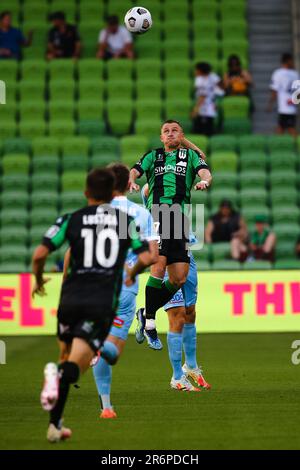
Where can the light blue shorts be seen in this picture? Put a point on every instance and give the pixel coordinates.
(125, 315)
(187, 295)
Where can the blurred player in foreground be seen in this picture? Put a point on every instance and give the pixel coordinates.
(181, 311)
(171, 172)
(119, 331)
(89, 295)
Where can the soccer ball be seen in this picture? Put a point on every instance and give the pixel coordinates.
(138, 20)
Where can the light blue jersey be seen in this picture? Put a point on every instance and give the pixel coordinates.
(145, 226)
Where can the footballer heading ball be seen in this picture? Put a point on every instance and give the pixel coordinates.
(138, 20)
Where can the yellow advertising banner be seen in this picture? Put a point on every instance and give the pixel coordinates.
(255, 301)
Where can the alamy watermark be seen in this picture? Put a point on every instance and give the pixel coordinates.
(2, 353)
(2, 92)
(295, 90)
(296, 354)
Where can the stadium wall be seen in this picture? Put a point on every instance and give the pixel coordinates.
(227, 302)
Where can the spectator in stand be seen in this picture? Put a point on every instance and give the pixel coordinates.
(227, 225)
(298, 248)
(207, 86)
(283, 86)
(114, 41)
(63, 38)
(11, 39)
(236, 81)
(263, 240)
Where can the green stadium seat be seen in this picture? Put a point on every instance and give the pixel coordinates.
(287, 232)
(151, 50)
(100, 160)
(280, 179)
(16, 145)
(69, 7)
(200, 140)
(49, 146)
(8, 113)
(62, 90)
(12, 198)
(223, 143)
(226, 265)
(114, 6)
(31, 91)
(237, 126)
(225, 179)
(288, 214)
(71, 201)
(107, 145)
(236, 107)
(15, 164)
(253, 178)
(75, 146)
(224, 161)
(251, 143)
(92, 89)
(148, 69)
(235, 29)
(90, 110)
(9, 70)
(178, 89)
(208, 30)
(120, 116)
(178, 110)
(73, 181)
(33, 70)
(8, 129)
(148, 90)
(118, 91)
(179, 29)
(33, 127)
(90, 68)
(41, 217)
(148, 128)
(280, 196)
(133, 148)
(60, 110)
(61, 128)
(90, 33)
(220, 251)
(14, 254)
(253, 160)
(39, 40)
(253, 197)
(42, 198)
(203, 265)
(35, 11)
(182, 49)
(32, 110)
(13, 217)
(89, 10)
(176, 70)
(40, 181)
(42, 164)
(249, 213)
(279, 158)
(287, 264)
(205, 9)
(218, 194)
(257, 265)
(13, 6)
(91, 127)
(75, 163)
(119, 68)
(207, 48)
(281, 142)
(237, 46)
(9, 235)
(149, 109)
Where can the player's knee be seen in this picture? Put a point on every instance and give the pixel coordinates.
(190, 314)
(70, 372)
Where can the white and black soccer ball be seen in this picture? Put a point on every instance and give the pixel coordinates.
(138, 20)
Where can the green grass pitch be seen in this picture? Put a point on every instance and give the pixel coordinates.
(254, 402)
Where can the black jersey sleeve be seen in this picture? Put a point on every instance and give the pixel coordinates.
(55, 236)
(144, 163)
(198, 162)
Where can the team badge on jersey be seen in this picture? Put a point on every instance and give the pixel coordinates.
(182, 154)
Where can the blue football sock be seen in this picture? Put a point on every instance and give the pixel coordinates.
(110, 352)
(189, 338)
(103, 376)
(175, 353)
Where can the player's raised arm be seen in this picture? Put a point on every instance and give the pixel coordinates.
(206, 179)
(139, 169)
(188, 144)
(134, 175)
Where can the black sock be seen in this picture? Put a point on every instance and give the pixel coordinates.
(158, 293)
(69, 374)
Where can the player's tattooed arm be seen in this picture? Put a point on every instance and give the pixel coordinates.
(134, 175)
(188, 144)
(38, 262)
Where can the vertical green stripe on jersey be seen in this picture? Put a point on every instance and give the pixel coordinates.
(59, 239)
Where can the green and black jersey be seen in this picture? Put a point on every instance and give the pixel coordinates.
(99, 238)
(170, 175)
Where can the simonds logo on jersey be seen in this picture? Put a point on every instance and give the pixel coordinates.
(178, 169)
